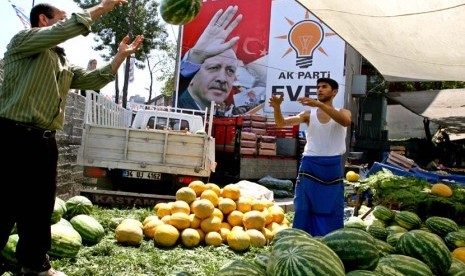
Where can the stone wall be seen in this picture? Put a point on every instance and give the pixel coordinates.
(70, 178)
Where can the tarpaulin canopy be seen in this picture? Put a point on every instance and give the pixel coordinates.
(444, 107)
(412, 40)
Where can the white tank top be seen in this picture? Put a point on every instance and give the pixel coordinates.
(327, 139)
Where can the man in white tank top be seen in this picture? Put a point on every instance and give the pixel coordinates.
(319, 192)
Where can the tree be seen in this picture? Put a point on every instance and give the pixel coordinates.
(138, 17)
(163, 62)
(167, 73)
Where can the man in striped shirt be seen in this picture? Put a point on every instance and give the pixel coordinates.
(37, 79)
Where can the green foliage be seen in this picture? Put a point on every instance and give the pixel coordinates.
(110, 258)
(413, 194)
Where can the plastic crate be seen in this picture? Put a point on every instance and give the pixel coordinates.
(282, 132)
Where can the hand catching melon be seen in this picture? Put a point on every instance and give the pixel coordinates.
(179, 12)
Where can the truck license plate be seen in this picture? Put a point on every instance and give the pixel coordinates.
(141, 175)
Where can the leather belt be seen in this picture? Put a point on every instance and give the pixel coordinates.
(41, 132)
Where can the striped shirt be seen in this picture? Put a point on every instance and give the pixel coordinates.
(38, 77)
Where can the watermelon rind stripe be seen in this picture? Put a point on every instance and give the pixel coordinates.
(428, 248)
(406, 265)
(344, 241)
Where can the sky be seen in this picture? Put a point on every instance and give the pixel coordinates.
(79, 49)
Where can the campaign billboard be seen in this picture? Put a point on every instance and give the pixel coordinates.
(281, 49)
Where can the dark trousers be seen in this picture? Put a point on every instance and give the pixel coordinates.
(29, 198)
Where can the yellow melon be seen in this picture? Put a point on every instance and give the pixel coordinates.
(279, 228)
(186, 194)
(166, 219)
(244, 204)
(459, 254)
(257, 239)
(149, 227)
(203, 208)
(217, 213)
(163, 209)
(213, 238)
(268, 216)
(195, 221)
(277, 213)
(235, 218)
(224, 232)
(149, 218)
(180, 206)
(238, 240)
(198, 186)
(441, 190)
(166, 235)
(129, 233)
(132, 221)
(267, 233)
(259, 204)
(352, 176)
(226, 205)
(180, 220)
(210, 224)
(253, 220)
(210, 195)
(231, 191)
(190, 237)
(201, 234)
(226, 225)
(213, 187)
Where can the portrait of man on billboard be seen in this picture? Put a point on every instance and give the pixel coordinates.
(223, 57)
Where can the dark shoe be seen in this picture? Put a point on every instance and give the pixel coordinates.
(50, 272)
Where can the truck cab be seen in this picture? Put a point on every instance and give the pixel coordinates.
(166, 120)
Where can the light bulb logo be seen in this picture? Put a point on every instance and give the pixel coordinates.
(304, 37)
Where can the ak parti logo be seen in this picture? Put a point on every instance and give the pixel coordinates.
(304, 38)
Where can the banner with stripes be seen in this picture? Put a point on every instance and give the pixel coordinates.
(21, 15)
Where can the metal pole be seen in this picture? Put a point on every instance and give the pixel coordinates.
(32, 3)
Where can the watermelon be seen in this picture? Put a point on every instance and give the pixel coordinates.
(66, 242)
(392, 239)
(386, 270)
(455, 239)
(295, 256)
(290, 232)
(179, 12)
(64, 222)
(395, 229)
(457, 268)
(355, 222)
(383, 213)
(441, 226)
(9, 251)
(428, 248)
(262, 259)
(384, 248)
(59, 209)
(78, 205)
(408, 220)
(89, 228)
(240, 268)
(356, 248)
(362, 273)
(378, 232)
(406, 265)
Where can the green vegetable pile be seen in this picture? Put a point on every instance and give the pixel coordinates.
(413, 194)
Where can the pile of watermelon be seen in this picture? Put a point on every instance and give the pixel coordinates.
(394, 244)
(72, 226)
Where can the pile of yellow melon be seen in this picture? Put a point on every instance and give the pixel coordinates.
(204, 213)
